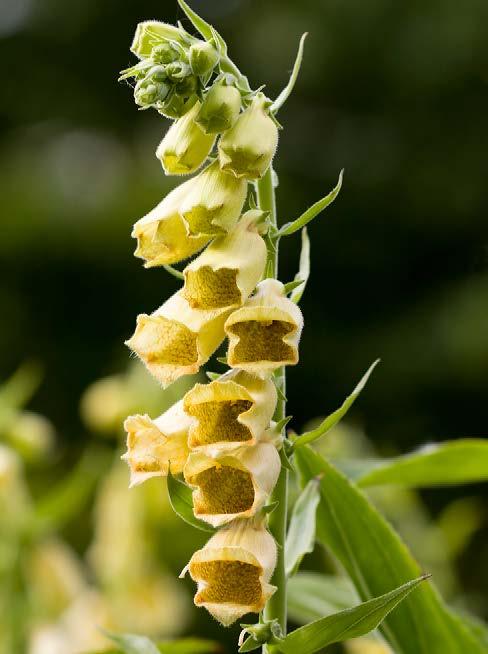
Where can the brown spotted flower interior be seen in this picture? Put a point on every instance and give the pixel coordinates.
(206, 288)
(199, 218)
(232, 582)
(217, 422)
(261, 340)
(172, 343)
(223, 490)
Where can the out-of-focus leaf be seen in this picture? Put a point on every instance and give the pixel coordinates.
(180, 646)
(285, 93)
(300, 538)
(332, 420)
(454, 462)
(304, 268)
(375, 558)
(133, 644)
(16, 392)
(312, 596)
(180, 497)
(350, 623)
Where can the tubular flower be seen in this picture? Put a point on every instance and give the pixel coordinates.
(162, 235)
(154, 445)
(233, 571)
(233, 411)
(219, 109)
(176, 340)
(185, 145)
(226, 273)
(264, 333)
(233, 485)
(246, 150)
(152, 33)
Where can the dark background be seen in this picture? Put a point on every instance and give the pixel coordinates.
(395, 93)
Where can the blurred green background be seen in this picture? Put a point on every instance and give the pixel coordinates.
(395, 93)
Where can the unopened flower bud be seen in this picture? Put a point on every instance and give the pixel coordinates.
(164, 53)
(220, 109)
(265, 332)
(213, 201)
(31, 434)
(175, 106)
(227, 271)
(247, 148)
(233, 571)
(232, 485)
(177, 70)
(185, 146)
(157, 74)
(187, 87)
(146, 93)
(152, 33)
(230, 412)
(155, 445)
(162, 235)
(176, 340)
(203, 58)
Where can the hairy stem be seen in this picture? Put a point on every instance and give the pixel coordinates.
(276, 606)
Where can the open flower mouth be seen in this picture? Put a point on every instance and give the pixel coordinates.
(222, 490)
(161, 341)
(261, 340)
(228, 582)
(217, 422)
(206, 288)
(242, 162)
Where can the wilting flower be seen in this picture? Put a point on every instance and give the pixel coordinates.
(230, 412)
(220, 109)
(154, 445)
(233, 571)
(203, 58)
(152, 33)
(226, 272)
(176, 340)
(185, 145)
(246, 150)
(232, 485)
(264, 333)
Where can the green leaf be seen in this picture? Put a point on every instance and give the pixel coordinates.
(332, 420)
(453, 462)
(304, 268)
(206, 30)
(285, 94)
(350, 623)
(300, 538)
(180, 646)
(133, 644)
(180, 497)
(173, 271)
(375, 558)
(312, 595)
(313, 211)
(291, 286)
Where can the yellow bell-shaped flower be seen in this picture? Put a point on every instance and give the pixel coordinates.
(265, 332)
(232, 485)
(220, 109)
(230, 412)
(233, 571)
(227, 271)
(185, 145)
(154, 445)
(247, 149)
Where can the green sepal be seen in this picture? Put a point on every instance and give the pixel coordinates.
(173, 271)
(285, 93)
(291, 286)
(285, 461)
(213, 375)
(262, 633)
(300, 538)
(313, 211)
(205, 29)
(304, 268)
(180, 497)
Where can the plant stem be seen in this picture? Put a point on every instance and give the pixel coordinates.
(276, 606)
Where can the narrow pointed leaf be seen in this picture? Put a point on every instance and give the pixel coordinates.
(313, 211)
(189, 646)
(300, 538)
(291, 286)
(205, 29)
(350, 623)
(180, 497)
(172, 271)
(375, 558)
(332, 420)
(312, 595)
(133, 644)
(284, 95)
(455, 462)
(304, 268)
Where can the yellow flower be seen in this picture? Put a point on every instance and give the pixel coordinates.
(154, 445)
(185, 145)
(246, 150)
(220, 109)
(227, 271)
(265, 332)
(162, 235)
(232, 485)
(232, 411)
(212, 201)
(176, 340)
(233, 571)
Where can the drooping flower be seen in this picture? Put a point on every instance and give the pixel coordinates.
(232, 485)
(265, 332)
(227, 271)
(233, 571)
(220, 108)
(176, 340)
(203, 58)
(247, 148)
(230, 412)
(154, 445)
(185, 145)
